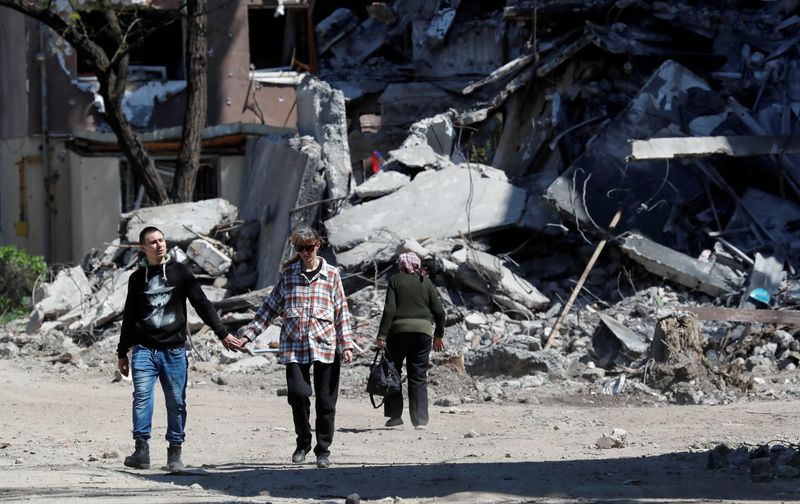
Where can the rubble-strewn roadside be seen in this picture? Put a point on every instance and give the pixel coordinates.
(609, 211)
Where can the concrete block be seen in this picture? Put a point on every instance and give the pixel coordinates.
(710, 278)
(208, 257)
(200, 217)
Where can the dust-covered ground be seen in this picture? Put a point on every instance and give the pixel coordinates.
(64, 432)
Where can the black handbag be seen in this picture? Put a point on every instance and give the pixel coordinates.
(383, 380)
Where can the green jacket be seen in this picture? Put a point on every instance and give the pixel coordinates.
(411, 302)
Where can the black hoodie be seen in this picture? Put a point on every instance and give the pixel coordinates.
(155, 309)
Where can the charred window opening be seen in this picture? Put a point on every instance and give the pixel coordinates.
(277, 41)
(132, 188)
(156, 43)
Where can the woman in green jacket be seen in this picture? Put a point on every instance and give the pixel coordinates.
(406, 330)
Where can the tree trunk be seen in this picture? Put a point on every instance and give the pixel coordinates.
(196, 103)
(112, 88)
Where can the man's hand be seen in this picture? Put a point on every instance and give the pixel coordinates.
(347, 356)
(123, 366)
(380, 343)
(438, 344)
(234, 344)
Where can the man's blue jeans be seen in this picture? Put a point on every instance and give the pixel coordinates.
(169, 366)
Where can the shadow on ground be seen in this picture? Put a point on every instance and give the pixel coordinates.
(677, 476)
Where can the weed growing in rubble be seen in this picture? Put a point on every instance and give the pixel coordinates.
(18, 274)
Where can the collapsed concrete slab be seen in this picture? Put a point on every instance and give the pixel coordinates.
(294, 166)
(180, 222)
(376, 251)
(382, 183)
(710, 278)
(479, 199)
(69, 289)
(669, 148)
(486, 273)
(321, 114)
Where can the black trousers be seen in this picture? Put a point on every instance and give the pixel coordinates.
(414, 348)
(326, 391)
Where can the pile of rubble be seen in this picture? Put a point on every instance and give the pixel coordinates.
(603, 196)
(764, 463)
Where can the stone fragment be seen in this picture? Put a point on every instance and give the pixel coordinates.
(382, 183)
(208, 257)
(69, 289)
(617, 438)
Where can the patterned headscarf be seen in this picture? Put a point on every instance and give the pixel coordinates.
(410, 263)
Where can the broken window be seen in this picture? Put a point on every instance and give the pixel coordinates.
(132, 190)
(157, 43)
(278, 41)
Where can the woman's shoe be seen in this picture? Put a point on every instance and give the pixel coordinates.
(299, 455)
(421, 427)
(394, 422)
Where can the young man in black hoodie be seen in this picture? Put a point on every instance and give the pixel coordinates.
(154, 325)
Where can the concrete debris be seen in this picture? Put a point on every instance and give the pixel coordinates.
(416, 156)
(105, 305)
(382, 183)
(334, 27)
(429, 144)
(486, 273)
(617, 438)
(669, 148)
(321, 115)
(613, 342)
(485, 114)
(68, 290)
(764, 463)
(209, 258)
(361, 42)
(296, 166)
(480, 200)
(709, 277)
(180, 222)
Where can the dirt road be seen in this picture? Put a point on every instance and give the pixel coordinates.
(64, 436)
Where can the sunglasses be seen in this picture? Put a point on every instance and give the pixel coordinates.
(305, 248)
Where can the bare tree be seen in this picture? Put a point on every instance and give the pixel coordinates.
(108, 60)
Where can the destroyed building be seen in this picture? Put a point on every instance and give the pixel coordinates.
(646, 149)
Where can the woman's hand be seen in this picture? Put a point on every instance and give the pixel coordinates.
(347, 356)
(380, 343)
(438, 344)
(234, 344)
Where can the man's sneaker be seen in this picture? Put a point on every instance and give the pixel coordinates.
(421, 427)
(174, 462)
(140, 458)
(323, 462)
(299, 455)
(394, 422)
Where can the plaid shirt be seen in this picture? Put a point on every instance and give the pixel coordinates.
(316, 320)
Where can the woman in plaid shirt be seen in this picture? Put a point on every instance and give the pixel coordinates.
(316, 332)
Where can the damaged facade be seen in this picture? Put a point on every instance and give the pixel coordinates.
(499, 141)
